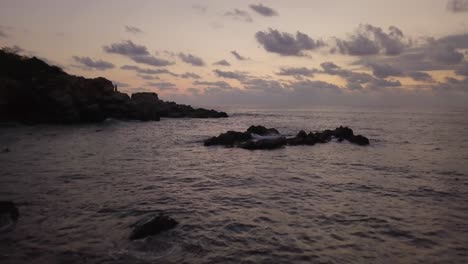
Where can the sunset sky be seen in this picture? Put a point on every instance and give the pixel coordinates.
(265, 53)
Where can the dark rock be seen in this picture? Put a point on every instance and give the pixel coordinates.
(262, 131)
(268, 139)
(9, 208)
(153, 227)
(343, 132)
(31, 91)
(229, 138)
(360, 140)
(271, 143)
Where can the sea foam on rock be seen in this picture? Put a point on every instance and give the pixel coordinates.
(270, 138)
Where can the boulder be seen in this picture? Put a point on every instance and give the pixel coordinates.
(229, 138)
(270, 143)
(260, 137)
(359, 140)
(262, 131)
(153, 227)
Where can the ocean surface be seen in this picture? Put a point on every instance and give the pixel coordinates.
(81, 188)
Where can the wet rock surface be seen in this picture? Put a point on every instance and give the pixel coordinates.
(153, 227)
(260, 137)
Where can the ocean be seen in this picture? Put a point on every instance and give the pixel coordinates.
(80, 190)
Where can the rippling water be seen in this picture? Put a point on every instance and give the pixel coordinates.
(404, 199)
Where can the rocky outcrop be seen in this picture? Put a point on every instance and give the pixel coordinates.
(153, 227)
(259, 137)
(31, 91)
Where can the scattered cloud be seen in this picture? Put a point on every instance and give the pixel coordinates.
(147, 71)
(297, 73)
(121, 84)
(384, 70)
(163, 86)
(217, 84)
(93, 64)
(3, 34)
(222, 63)
(148, 77)
(127, 48)
(239, 15)
(238, 56)
(462, 70)
(231, 75)
(200, 8)
(371, 40)
(151, 60)
(264, 10)
(190, 75)
(191, 59)
(137, 53)
(421, 76)
(133, 29)
(287, 44)
(457, 6)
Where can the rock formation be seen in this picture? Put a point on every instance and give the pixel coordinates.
(31, 91)
(259, 137)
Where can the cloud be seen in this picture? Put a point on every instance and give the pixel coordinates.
(371, 40)
(222, 63)
(148, 77)
(121, 84)
(231, 75)
(94, 64)
(163, 86)
(259, 84)
(384, 70)
(287, 44)
(200, 8)
(457, 6)
(3, 34)
(127, 48)
(421, 76)
(359, 80)
(137, 53)
(462, 70)
(446, 54)
(238, 56)
(147, 71)
(264, 10)
(193, 91)
(191, 59)
(298, 73)
(151, 60)
(190, 75)
(133, 30)
(427, 55)
(219, 84)
(239, 15)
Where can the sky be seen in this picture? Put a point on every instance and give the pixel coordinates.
(296, 53)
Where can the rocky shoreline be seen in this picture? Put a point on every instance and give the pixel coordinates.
(31, 91)
(260, 137)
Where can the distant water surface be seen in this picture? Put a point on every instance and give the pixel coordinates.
(404, 199)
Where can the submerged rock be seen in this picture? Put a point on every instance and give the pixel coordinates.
(153, 227)
(9, 215)
(260, 137)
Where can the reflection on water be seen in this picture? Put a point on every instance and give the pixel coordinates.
(404, 199)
